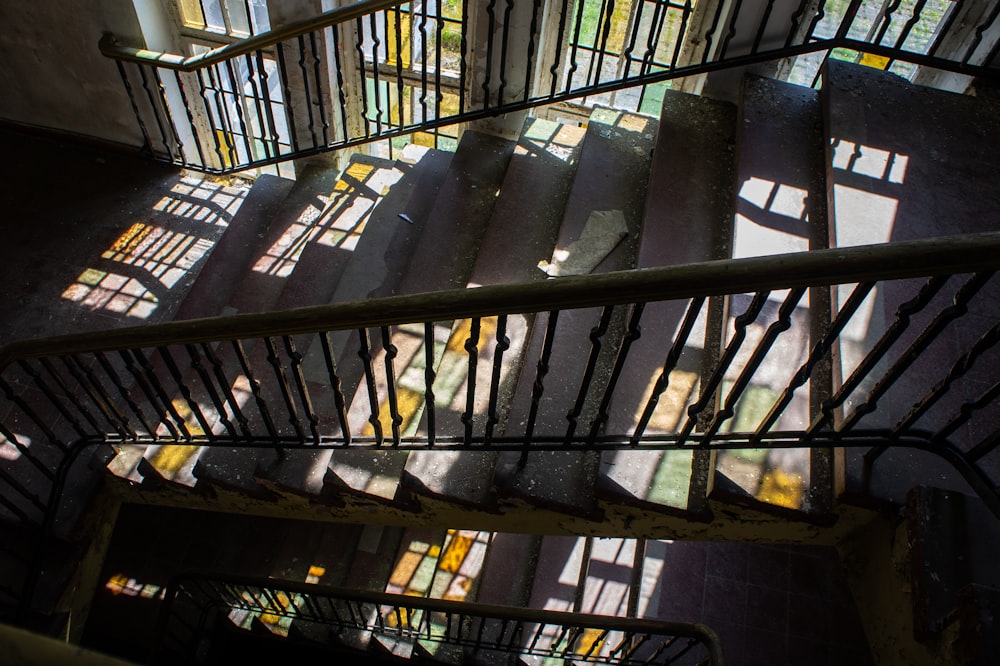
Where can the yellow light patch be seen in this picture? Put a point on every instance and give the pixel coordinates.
(169, 459)
(455, 553)
(872, 60)
(589, 642)
(319, 572)
(405, 569)
(782, 489)
(434, 551)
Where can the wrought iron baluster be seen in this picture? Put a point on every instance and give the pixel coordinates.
(213, 394)
(796, 20)
(363, 88)
(633, 333)
(914, 19)
(885, 21)
(539, 385)
(954, 9)
(529, 69)
(596, 333)
(438, 96)
(633, 37)
(845, 24)
(554, 69)
(283, 72)
(782, 323)
(736, 7)
(399, 66)
(126, 394)
(93, 389)
(193, 406)
(376, 84)
(962, 366)
(218, 369)
(338, 392)
(463, 56)
(913, 352)
(262, 408)
(171, 123)
(681, 37)
(318, 78)
(156, 113)
(162, 408)
(303, 389)
(740, 326)
(305, 89)
(282, 380)
(50, 395)
(601, 35)
(238, 101)
(422, 98)
(472, 348)
(365, 354)
(986, 446)
(261, 108)
(979, 32)
(763, 26)
(816, 354)
(429, 376)
(816, 20)
(20, 489)
(390, 384)
(190, 117)
(339, 70)
(147, 144)
(573, 64)
(502, 345)
(223, 114)
(488, 69)
(895, 330)
(710, 36)
(503, 52)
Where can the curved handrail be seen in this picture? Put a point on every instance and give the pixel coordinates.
(898, 260)
(111, 48)
(697, 631)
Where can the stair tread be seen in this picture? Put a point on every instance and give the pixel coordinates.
(612, 175)
(924, 173)
(461, 210)
(232, 256)
(522, 231)
(780, 207)
(508, 570)
(691, 198)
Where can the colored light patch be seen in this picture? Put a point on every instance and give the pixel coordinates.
(782, 489)
(405, 569)
(168, 460)
(590, 641)
(455, 553)
(872, 60)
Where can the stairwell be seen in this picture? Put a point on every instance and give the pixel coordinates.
(785, 169)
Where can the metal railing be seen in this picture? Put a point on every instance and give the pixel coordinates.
(332, 377)
(382, 68)
(195, 606)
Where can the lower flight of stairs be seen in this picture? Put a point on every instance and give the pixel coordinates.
(783, 604)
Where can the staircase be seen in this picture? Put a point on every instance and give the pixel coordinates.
(731, 181)
(538, 414)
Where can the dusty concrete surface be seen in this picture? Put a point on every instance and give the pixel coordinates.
(95, 239)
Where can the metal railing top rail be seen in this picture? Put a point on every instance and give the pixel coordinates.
(898, 260)
(700, 632)
(111, 48)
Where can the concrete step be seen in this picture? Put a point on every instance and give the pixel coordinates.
(611, 178)
(901, 176)
(522, 232)
(235, 252)
(507, 574)
(371, 271)
(460, 214)
(687, 219)
(780, 207)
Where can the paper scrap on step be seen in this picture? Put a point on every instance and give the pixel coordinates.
(603, 231)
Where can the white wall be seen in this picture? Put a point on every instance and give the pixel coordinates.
(53, 75)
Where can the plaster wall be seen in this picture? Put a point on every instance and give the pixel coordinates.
(53, 74)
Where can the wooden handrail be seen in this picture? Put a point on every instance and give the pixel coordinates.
(887, 261)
